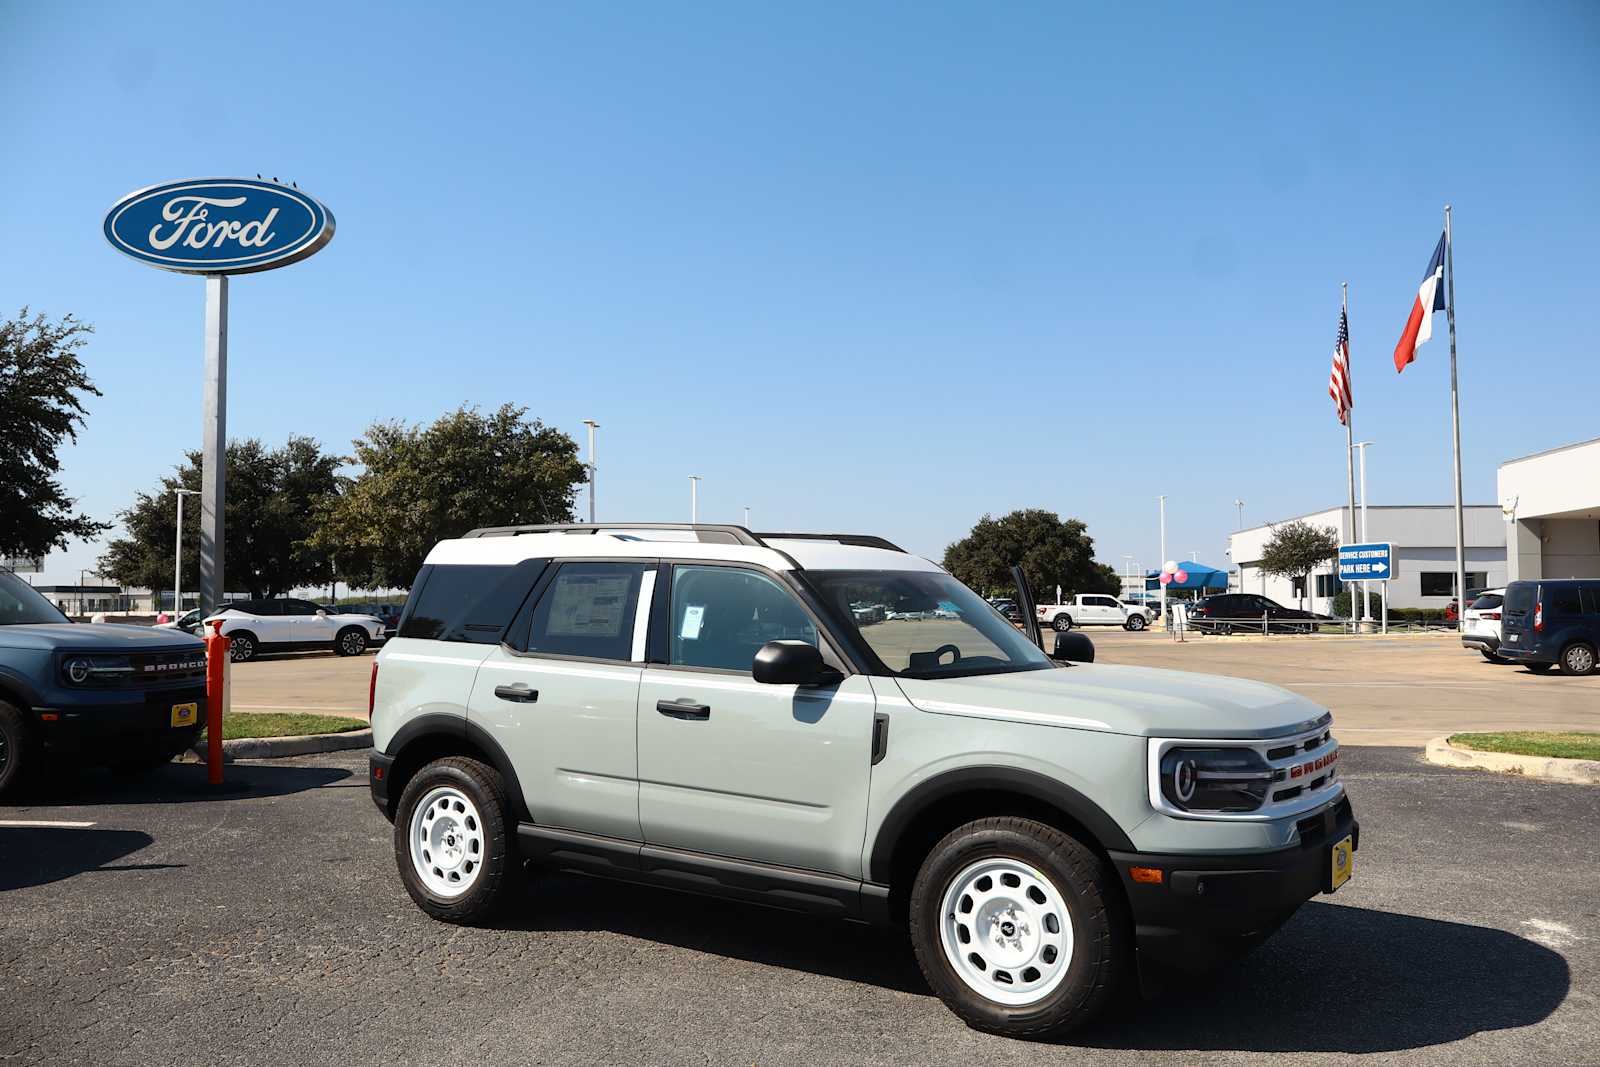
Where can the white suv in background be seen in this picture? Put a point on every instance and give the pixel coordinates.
(1480, 624)
(284, 625)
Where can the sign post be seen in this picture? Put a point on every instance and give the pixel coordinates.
(217, 227)
(1369, 562)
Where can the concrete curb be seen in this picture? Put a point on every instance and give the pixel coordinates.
(275, 747)
(1577, 771)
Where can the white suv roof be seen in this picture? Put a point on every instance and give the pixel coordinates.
(777, 551)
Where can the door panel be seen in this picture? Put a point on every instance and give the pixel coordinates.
(773, 773)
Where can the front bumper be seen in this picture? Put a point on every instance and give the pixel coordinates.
(128, 723)
(1212, 908)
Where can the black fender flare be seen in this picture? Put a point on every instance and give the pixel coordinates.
(1031, 784)
(12, 682)
(460, 728)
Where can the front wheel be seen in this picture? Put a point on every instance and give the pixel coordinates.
(452, 840)
(1135, 622)
(1577, 658)
(351, 641)
(1017, 927)
(241, 647)
(17, 748)
(1061, 623)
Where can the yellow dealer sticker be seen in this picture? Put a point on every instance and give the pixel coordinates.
(185, 714)
(1344, 862)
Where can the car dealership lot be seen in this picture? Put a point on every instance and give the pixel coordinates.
(269, 926)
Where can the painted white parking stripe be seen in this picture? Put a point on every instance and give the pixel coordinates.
(43, 824)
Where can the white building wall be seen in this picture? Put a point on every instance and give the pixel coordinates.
(1424, 538)
(1553, 499)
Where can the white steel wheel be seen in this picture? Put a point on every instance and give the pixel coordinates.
(446, 839)
(1006, 931)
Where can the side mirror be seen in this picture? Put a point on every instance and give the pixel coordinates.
(1073, 647)
(792, 663)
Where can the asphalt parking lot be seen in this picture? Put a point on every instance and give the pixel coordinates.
(270, 927)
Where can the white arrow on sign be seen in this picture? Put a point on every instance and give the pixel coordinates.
(1380, 568)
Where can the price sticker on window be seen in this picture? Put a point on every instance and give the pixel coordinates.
(693, 616)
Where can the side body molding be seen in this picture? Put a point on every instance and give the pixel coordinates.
(1030, 784)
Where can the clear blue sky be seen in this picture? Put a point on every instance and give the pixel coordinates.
(867, 267)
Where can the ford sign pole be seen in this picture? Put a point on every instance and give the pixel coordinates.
(216, 227)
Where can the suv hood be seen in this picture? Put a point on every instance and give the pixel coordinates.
(1143, 701)
(99, 636)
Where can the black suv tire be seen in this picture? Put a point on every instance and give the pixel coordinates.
(1578, 659)
(352, 641)
(497, 866)
(17, 748)
(1101, 956)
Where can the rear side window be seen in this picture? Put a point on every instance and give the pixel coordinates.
(470, 602)
(1591, 599)
(1562, 600)
(588, 610)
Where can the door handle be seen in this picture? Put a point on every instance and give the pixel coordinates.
(683, 709)
(519, 693)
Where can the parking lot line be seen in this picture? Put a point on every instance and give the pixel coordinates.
(43, 824)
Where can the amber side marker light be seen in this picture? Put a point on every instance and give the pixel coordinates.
(1145, 875)
(49, 716)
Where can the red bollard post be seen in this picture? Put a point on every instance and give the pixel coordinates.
(216, 698)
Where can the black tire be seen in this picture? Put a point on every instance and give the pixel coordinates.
(1135, 622)
(351, 641)
(501, 865)
(1061, 623)
(1490, 656)
(1540, 668)
(1578, 659)
(19, 749)
(1101, 954)
(242, 646)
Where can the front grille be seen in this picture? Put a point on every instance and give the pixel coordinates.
(138, 670)
(153, 669)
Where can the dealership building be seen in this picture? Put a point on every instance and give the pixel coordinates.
(1551, 504)
(1424, 539)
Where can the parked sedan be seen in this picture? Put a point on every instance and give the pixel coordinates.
(1481, 628)
(1226, 613)
(284, 625)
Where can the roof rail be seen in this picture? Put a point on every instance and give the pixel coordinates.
(711, 533)
(854, 540)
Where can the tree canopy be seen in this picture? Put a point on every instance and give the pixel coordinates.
(42, 386)
(1296, 548)
(421, 484)
(274, 496)
(1053, 551)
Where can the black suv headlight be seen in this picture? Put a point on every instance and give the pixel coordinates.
(1214, 779)
(96, 669)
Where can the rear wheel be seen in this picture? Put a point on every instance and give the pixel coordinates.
(452, 840)
(1577, 658)
(17, 748)
(1490, 656)
(1016, 926)
(1061, 623)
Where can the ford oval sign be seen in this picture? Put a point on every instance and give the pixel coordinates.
(218, 226)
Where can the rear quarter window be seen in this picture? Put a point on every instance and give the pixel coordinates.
(469, 602)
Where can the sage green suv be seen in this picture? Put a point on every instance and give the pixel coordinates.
(830, 724)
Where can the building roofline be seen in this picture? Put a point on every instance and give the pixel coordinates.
(1370, 507)
(1551, 451)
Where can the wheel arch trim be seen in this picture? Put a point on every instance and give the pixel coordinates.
(460, 731)
(988, 779)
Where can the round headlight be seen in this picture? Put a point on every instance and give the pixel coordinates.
(1184, 777)
(78, 670)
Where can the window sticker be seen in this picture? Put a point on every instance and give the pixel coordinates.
(693, 616)
(588, 605)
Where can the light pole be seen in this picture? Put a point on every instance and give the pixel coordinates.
(177, 556)
(747, 516)
(1163, 561)
(593, 426)
(1366, 587)
(1240, 505)
(694, 498)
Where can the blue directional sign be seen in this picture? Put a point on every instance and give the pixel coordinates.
(218, 225)
(1366, 563)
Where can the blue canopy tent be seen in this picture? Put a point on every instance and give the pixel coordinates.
(1200, 577)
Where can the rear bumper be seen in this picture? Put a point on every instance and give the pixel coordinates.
(1535, 654)
(1487, 642)
(1210, 909)
(379, 767)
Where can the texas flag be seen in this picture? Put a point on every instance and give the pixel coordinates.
(1430, 298)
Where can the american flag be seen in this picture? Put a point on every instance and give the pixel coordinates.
(1339, 378)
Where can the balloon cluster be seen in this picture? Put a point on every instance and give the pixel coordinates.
(1171, 572)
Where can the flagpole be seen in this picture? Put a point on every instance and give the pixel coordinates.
(1455, 419)
(1349, 442)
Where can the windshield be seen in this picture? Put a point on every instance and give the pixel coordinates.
(22, 605)
(929, 625)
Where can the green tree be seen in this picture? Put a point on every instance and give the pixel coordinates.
(422, 484)
(1052, 552)
(1296, 548)
(42, 385)
(274, 496)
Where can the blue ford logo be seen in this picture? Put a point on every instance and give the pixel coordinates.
(218, 225)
